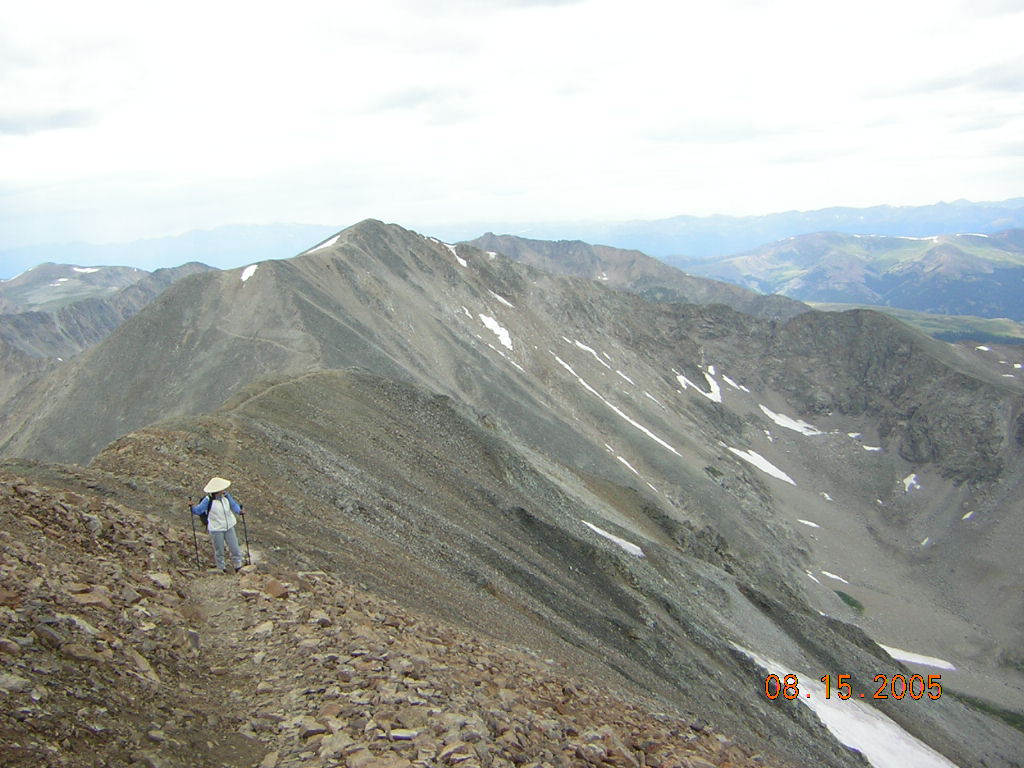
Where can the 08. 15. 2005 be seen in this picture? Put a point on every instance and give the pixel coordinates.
(896, 687)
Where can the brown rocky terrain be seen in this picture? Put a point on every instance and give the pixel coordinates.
(116, 650)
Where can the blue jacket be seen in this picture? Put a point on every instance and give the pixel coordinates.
(204, 506)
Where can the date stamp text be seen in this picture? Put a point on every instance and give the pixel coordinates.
(895, 687)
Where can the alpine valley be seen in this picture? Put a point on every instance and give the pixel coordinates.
(508, 504)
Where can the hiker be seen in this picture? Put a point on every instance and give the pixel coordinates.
(218, 508)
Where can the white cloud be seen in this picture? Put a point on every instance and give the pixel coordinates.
(209, 113)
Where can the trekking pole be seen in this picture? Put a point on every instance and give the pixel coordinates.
(245, 530)
(195, 541)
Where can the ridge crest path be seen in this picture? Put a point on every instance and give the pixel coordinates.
(116, 651)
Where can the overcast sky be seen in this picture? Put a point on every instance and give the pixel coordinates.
(120, 121)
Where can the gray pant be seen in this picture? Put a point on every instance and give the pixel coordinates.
(219, 538)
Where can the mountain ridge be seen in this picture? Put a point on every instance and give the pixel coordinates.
(184, 691)
(59, 317)
(476, 437)
(635, 272)
(961, 274)
(677, 240)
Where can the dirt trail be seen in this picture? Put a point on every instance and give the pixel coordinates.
(226, 678)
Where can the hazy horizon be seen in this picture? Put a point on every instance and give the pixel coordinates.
(120, 121)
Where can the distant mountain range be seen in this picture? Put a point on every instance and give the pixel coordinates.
(681, 239)
(59, 310)
(222, 247)
(961, 274)
(677, 240)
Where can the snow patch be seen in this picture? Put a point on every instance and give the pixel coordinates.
(916, 658)
(715, 395)
(790, 423)
(249, 271)
(506, 357)
(502, 299)
(614, 408)
(455, 253)
(825, 496)
(809, 523)
(813, 577)
(734, 385)
(633, 549)
(763, 464)
(597, 357)
(872, 448)
(983, 348)
(630, 466)
(968, 515)
(86, 270)
(834, 576)
(910, 483)
(882, 742)
(325, 244)
(498, 329)
(624, 376)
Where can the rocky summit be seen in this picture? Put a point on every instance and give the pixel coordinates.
(531, 483)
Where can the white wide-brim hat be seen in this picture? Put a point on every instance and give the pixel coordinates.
(216, 485)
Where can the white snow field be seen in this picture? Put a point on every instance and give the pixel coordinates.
(326, 244)
(498, 329)
(633, 549)
(790, 423)
(715, 395)
(882, 742)
(455, 253)
(916, 658)
(759, 461)
(618, 411)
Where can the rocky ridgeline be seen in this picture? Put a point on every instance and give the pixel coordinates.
(115, 650)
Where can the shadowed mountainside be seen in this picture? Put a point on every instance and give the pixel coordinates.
(52, 315)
